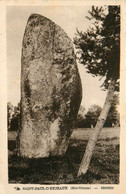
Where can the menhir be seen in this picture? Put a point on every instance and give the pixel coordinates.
(50, 89)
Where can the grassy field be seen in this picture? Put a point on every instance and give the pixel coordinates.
(104, 167)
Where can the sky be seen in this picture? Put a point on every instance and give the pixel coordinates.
(69, 18)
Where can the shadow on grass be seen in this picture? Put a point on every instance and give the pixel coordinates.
(104, 167)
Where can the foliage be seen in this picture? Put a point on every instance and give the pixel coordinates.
(80, 122)
(10, 112)
(99, 50)
(14, 119)
(92, 115)
(99, 47)
(89, 119)
(82, 111)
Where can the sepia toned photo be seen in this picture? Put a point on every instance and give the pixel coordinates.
(63, 85)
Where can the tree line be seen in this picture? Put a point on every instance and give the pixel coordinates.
(89, 119)
(85, 119)
(13, 117)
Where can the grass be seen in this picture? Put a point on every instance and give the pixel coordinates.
(104, 167)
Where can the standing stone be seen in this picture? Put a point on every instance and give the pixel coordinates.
(50, 89)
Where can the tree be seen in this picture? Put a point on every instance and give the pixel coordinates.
(80, 121)
(15, 118)
(99, 51)
(10, 112)
(92, 115)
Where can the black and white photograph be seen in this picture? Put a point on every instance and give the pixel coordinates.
(63, 112)
(64, 107)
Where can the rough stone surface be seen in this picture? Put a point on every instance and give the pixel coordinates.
(50, 89)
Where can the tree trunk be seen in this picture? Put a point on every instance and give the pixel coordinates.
(99, 125)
